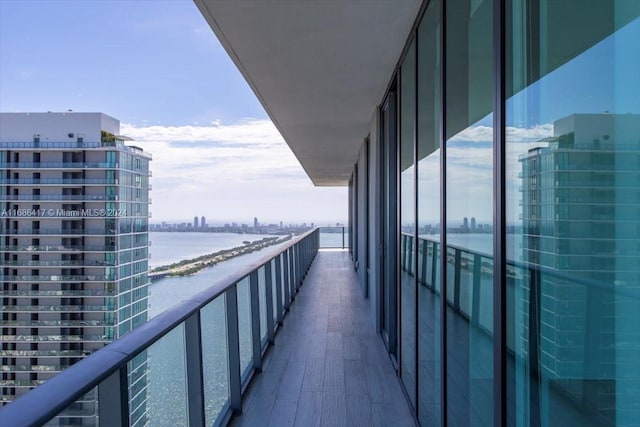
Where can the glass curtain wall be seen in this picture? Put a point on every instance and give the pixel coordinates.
(429, 229)
(571, 148)
(407, 222)
(573, 203)
(469, 211)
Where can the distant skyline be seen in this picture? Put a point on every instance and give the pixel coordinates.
(158, 68)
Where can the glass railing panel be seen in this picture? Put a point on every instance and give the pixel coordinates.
(84, 412)
(518, 295)
(451, 271)
(437, 266)
(485, 310)
(262, 296)
(166, 377)
(215, 369)
(283, 281)
(244, 326)
(466, 282)
(274, 294)
(422, 265)
(333, 237)
(428, 276)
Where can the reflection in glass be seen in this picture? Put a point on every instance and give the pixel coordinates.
(573, 153)
(262, 294)
(469, 186)
(428, 187)
(407, 223)
(244, 326)
(167, 380)
(215, 364)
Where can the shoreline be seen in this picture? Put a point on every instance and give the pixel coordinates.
(192, 266)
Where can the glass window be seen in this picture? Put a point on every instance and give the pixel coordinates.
(428, 187)
(469, 201)
(573, 156)
(407, 222)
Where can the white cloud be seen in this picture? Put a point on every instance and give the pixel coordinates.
(514, 134)
(231, 171)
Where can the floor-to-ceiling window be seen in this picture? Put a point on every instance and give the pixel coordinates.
(407, 222)
(429, 229)
(388, 221)
(563, 113)
(573, 205)
(469, 211)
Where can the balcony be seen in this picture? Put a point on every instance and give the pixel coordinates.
(294, 325)
(61, 231)
(60, 165)
(60, 197)
(57, 248)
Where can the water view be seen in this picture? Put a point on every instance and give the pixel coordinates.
(167, 405)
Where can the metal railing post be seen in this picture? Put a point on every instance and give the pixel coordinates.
(113, 399)
(256, 337)
(233, 349)
(342, 237)
(195, 387)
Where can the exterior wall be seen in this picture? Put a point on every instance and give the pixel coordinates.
(374, 221)
(363, 244)
(21, 127)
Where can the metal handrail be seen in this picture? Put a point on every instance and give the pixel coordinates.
(49, 399)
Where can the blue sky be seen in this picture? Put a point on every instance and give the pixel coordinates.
(158, 68)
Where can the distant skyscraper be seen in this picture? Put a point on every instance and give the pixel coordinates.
(255, 222)
(74, 227)
(195, 222)
(203, 222)
(473, 223)
(465, 223)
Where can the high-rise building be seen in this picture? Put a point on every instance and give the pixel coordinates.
(255, 222)
(195, 221)
(580, 223)
(74, 222)
(203, 222)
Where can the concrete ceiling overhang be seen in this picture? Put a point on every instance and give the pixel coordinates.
(319, 68)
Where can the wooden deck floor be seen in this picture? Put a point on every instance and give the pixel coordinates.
(328, 366)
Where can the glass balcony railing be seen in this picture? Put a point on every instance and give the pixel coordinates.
(57, 248)
(56, 278)
(58, 181)
(55, 197)
(59, 263)
(212, 344)
(334, 237)
(56, 308)
(57, 323)
(60, 165)
(55, 338)
(57, 294)
(61, 231)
